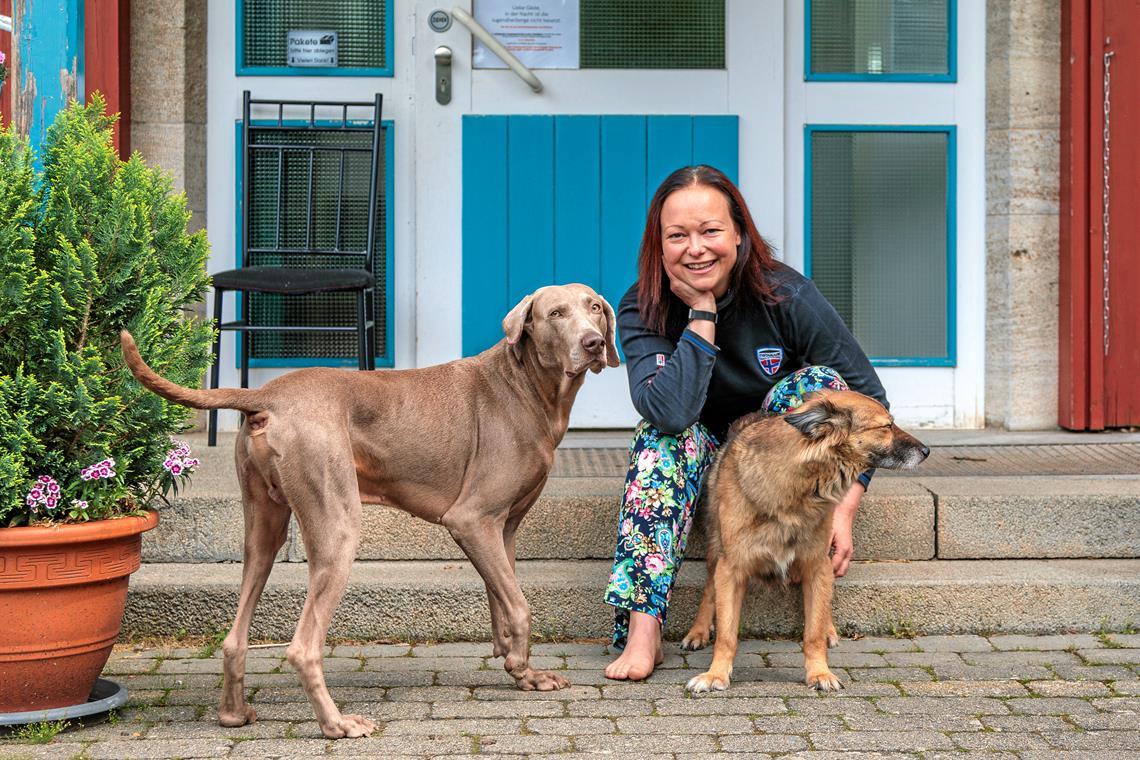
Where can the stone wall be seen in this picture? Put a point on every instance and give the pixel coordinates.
(168, 99)
(168, 93)
(1023, 96)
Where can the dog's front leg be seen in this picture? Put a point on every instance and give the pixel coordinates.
(818, 582)
(482, 542)
(730, 587)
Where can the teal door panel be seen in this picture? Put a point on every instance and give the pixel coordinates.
(556, 199)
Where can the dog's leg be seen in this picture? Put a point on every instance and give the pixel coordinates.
(500, 638)
(327, 504)
(700, 634)
(818, 628)
(482, 541)
(266, 527)
(730, 586)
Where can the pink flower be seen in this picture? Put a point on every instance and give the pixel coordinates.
(44, 479)
(50, 502)
(178, 460)
(654, 564)
(3, 57)
(646, 459)
(626, 526)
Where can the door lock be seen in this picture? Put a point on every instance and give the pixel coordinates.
(443, 75)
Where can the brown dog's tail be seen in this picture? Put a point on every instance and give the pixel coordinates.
(242, 399)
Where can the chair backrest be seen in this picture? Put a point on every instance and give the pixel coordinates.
(311, 178)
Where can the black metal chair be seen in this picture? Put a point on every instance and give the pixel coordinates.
(292, 247)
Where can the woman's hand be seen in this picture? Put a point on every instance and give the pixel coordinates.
(702, 300)
(842, 544)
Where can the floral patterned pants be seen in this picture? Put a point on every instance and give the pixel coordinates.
(662, 489)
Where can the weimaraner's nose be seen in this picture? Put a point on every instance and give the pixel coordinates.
(593, 343)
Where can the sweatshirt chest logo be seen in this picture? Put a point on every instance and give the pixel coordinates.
(770, 359)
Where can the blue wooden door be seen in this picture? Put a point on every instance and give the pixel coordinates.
(557, 199)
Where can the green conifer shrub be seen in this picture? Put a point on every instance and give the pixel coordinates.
(88, 246)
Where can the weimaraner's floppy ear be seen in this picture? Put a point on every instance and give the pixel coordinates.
(819, 419)
(612, 359)
(516, 320)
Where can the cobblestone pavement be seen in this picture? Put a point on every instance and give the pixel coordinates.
(1007, 696)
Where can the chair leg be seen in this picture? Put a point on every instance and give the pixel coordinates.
(370, 314)
(245, 340)
(361, 337)
(215, 369)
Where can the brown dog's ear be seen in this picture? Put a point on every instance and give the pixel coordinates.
(612, 358)
(516, 320)
(819, 419)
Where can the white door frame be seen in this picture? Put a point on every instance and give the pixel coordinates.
(920, 396)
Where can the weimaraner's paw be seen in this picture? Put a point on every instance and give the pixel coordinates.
(541, 680)
(242, 716)
(825, 681)
(348, 727)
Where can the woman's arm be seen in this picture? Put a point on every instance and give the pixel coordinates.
(668, 381)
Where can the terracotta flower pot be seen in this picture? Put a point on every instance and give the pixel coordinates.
(62, 592)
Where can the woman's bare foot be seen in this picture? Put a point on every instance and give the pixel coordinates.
(642, 650)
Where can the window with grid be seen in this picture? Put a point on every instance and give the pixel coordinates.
(652, 34)
(899, 40)
(363, 27)
(278, 220)
(880, 237)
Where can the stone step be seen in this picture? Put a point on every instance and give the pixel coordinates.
(911, 518)
(444, 600)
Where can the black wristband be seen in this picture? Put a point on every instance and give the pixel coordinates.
(706, 315)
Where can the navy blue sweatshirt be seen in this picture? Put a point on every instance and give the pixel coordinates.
(679, 378)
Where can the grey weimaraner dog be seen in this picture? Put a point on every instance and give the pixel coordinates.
(319, 442)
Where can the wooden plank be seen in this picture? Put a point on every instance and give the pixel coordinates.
(1122, 364)
(50, 45)
(484, 253)
(1073, 366)
(107, 56)
(1093, 261)
(6, 47)
(670, 147)
(577, 200)
(716, 142)
(530, 204)
(623, 201)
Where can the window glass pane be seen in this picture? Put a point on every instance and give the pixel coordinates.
(652, 34)
(879, 237)
(360, 27)
(880, 37)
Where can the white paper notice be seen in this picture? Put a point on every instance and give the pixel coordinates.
(543, 34)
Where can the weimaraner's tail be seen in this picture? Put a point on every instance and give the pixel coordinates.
(242, 399)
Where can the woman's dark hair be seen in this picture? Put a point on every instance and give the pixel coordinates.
(655, 301)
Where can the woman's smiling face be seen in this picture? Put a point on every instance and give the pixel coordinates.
(699, 238)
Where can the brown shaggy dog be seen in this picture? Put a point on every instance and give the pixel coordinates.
(772, 491)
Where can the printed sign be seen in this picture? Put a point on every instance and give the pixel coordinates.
(543, 34)
(311, 48)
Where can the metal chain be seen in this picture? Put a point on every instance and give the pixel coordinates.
(1105, 215)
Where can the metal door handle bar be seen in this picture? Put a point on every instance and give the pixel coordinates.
(488, 39)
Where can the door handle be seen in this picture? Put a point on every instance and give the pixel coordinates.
(480, 32)
(443, 75)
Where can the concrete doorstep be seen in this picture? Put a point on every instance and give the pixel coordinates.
(446, 601)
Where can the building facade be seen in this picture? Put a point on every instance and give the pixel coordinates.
(904, 155)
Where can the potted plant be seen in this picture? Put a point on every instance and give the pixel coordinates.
(88, 245)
